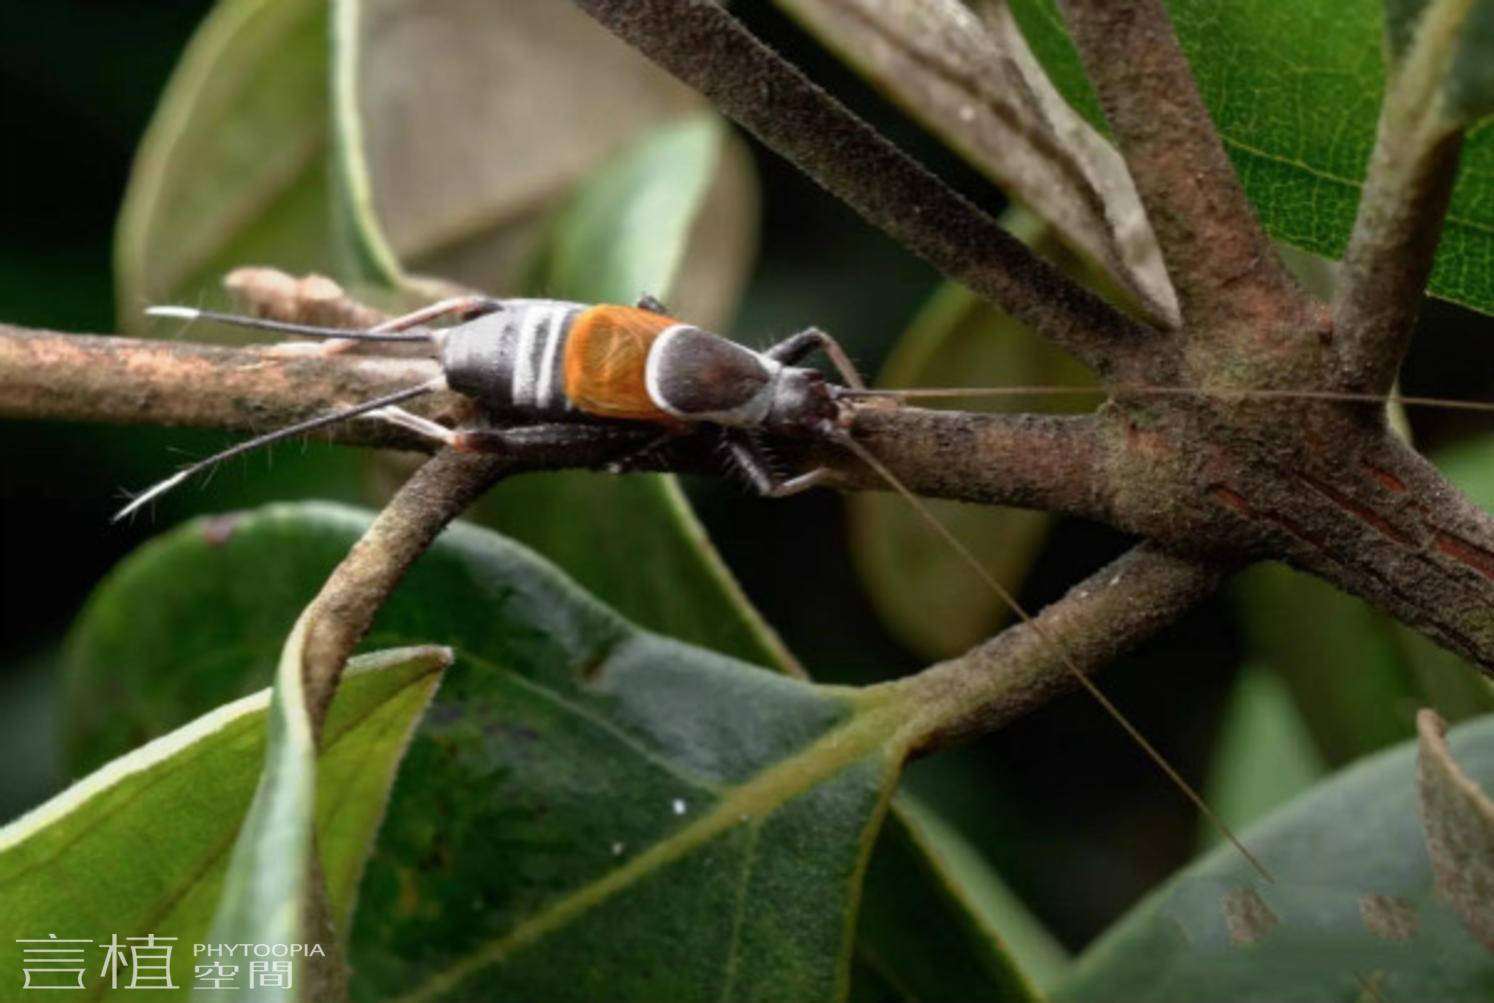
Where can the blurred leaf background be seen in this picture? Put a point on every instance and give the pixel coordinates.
(1060, 804)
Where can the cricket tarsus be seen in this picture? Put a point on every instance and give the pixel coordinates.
(1010, 600)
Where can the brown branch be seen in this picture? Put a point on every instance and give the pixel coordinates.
(1027, 460)
(1390, 257)
(1382, 523)
(706, 47)
(342, 611)
(1018, 670)
(1403, 204)
(1228, 278)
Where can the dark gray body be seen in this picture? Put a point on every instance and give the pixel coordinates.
(513, 360)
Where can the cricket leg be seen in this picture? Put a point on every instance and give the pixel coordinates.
(749, 458)
(796, 346)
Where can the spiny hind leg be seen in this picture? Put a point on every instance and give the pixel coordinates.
(752, 460)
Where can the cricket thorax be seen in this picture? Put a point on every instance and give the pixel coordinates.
(699, 376)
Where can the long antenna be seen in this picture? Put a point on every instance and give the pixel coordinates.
(299, 428)
(1147, 390)
(870, 459)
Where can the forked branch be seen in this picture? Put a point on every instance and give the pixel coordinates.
(1227, 276)
(1403, 205)
(709, 49)
(1018, 670)
(345, 607)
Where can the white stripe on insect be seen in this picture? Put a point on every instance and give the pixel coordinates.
(523, 384)
(548, 356)
(657, 352)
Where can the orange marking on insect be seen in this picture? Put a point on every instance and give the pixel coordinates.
(605, 357)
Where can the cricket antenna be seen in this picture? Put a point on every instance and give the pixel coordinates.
(311, 424)
(866, 456)
(1148, 390)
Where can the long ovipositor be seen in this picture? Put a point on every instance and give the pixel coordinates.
(569, 372)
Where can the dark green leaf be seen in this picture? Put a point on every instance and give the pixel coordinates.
(963, 944)
(1353, 905)
(581, 796)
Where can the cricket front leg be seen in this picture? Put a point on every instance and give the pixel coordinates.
(795, 347)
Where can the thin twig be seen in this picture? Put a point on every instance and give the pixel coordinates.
(1227, 276)
(342, 611)
(1403, 205)
(1018, 670)
(705, 46)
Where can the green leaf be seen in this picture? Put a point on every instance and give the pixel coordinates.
(975, 941)
(365, 251)
(957, 340)
(625, 231)
(141, 846)
(581, 795)
(1353, 909)
(232, 167)
(1264, 755)
(1295, 90)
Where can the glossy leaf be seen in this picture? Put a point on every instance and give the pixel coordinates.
(273, 891)
(1295, 89)
(956, 340)
(141, 846)
(1353, 905)
(581, 794)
